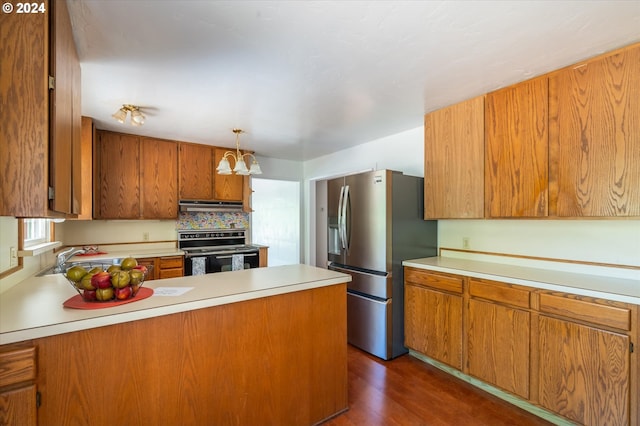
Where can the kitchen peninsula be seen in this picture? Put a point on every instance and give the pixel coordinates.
(259, 346)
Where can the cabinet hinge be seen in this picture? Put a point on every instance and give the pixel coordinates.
(631, 347)
(52, 193)
(52, 82)
(38, 399)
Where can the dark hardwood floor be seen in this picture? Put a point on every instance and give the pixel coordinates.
(407, 391)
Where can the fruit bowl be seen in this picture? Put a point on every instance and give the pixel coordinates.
(106, 282)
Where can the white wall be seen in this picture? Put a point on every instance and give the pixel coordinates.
(605, 241)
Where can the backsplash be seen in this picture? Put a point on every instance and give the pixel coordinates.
(212, 220)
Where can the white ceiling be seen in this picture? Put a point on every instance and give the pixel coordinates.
(308, 78)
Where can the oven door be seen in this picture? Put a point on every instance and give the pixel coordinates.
(234, 261)
(220, 261)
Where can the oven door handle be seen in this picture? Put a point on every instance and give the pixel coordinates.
(229, 257)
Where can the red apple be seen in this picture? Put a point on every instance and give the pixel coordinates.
(124, 292)
(142, 268)
(101, 280)
(89, 295)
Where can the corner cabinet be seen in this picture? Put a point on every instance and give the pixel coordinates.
(136, 177)
(41, 82)
(572, 355)
(595, 137)
(454, 161)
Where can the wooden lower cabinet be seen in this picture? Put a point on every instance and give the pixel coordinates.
(17, 388)
(498, 346)
(584, 372)
(279, 360)
(163, 267)
(569, 354)
(433, 319)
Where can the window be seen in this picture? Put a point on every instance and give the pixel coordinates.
(37, 231)
(276, 219)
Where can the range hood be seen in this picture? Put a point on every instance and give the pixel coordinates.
(210, 206)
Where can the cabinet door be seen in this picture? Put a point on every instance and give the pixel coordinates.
(151, 262)
(516, 156)
(433, 324)
(595, 137)
(227, 187)
(24, 125)
(159, 178)
(196, 172)
(65, 108)
(454, 161)
(18, 406)
(498, 346)
(584, 372)
(118, 186)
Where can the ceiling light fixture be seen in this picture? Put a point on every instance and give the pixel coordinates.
(224, 168)
(137, 118)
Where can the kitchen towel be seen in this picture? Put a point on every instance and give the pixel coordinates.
(237, 262)
(198, 266)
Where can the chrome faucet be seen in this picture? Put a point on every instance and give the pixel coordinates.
(64, 256)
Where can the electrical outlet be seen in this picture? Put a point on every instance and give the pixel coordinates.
(145, 236)
(13, 253)
(465, 243)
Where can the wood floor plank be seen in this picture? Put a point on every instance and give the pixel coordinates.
(407, 392)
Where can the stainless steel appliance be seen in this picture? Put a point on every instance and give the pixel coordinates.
(216, 250)
(375, 222)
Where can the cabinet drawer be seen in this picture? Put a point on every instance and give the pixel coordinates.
(171, 262)
(17, 365)
(171, 273)
(446, 282)
(500, 292)
(611, 314)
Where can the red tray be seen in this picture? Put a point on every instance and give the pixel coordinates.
(76, 302)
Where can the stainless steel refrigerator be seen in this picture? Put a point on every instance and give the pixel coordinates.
(375, 221)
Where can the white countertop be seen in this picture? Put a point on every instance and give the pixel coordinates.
(33, 308)
(611, 288)
(132, 252)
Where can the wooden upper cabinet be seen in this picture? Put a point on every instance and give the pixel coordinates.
(159, 178)
(516, 150)
(454, 161)
(33, 47)
(64, 103)
(595, 137)
(227, 187)
(117, 187)
(196, 171)
(82, 174)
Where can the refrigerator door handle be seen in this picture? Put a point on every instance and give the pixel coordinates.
(340, 218)
(346, 216)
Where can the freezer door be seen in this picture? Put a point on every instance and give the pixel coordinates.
(367, 219)
(376, 284)
(369, 324)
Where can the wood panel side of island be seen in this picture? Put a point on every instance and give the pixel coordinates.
(275, 360)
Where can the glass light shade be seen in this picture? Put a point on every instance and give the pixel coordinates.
(137, 118)
(241, 167)
(223, 167)
(120, 115)
(255, 168)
